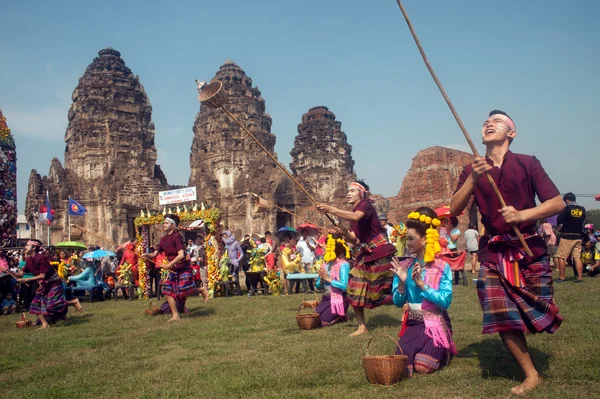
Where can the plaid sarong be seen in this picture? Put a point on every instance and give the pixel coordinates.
(180, 284)
(370, 283)
(49, 300)
(510, 253)
(509, 308)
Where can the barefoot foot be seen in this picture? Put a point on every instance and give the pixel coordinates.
(174, 319)
(204, 293)
(78, 305)
(43, 327)
(360, 331)
(529, 384)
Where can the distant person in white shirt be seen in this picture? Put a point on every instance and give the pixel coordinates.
(383, 219)
(472, 238)
(306, 248)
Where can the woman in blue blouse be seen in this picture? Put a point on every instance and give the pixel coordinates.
(333, 276)
(425, 284)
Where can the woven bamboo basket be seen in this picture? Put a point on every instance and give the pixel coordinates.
(212, 95)
(307, 321)
(384, 370)
(259, 205)
(23, 322)
(310, 303)
(152, 309)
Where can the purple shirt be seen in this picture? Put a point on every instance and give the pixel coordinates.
(368, 228)
(519, 179)
(39, 264)
(171, 245)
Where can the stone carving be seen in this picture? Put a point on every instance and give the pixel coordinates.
(8, 186)
(110, 157)
(322, 155)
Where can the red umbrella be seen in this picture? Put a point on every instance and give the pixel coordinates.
(312, 230)
(598, 197)
(444, 212)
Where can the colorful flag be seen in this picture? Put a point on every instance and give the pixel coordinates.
(75, 208)
(46, 212)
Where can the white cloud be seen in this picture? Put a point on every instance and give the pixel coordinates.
(47, 124)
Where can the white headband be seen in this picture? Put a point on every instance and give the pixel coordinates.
(171, 221)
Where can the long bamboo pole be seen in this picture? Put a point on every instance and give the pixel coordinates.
(290, 212)
(279, 164)
(460, 124)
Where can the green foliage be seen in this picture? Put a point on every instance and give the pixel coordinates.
(251, 348)
(593, 217)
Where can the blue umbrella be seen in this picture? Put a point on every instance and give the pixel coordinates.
(282, 232)
(98, 254)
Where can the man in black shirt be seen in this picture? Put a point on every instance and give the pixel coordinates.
(571, 219)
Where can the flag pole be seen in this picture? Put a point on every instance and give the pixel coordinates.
(69, 217)
(48, 214)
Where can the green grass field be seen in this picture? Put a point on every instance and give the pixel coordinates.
(238, 347)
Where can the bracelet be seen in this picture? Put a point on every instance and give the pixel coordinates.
(426, 287)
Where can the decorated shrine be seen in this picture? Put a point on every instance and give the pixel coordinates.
(8, 186)
(211, 219)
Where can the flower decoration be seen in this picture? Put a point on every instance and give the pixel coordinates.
(330, 248)
(432, 236)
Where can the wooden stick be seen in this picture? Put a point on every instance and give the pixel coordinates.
(283, 168)
(291, 213)
(460, 124)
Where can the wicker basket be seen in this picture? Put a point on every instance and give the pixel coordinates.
(310, 303)
(152, 309)
(212, 95)
(23, 322)
(307, 321)
(384, 370)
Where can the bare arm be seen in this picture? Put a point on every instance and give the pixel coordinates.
(352, 216)
(180, 256)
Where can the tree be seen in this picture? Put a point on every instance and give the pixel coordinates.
(593, 216)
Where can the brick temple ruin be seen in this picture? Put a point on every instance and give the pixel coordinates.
(110, 159)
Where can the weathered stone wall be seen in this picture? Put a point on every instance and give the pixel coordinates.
(110, 157)
(322, 155)
(8, 186)
(431, 181)
(227, 165)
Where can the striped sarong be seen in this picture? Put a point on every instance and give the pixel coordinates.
(419, 347)
(370, 283)
(180, 284)
(49, 300)
(509, 308)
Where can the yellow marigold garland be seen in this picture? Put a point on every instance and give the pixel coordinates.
(432, 246)
(63, 273)
(330, 248)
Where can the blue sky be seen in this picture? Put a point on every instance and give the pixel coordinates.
(537, 60)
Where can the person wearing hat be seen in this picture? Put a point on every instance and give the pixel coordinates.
(572, 219)
(383, 219)
(49, 304)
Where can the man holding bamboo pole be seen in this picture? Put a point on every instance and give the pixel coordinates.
(371, 276)
(515, 290)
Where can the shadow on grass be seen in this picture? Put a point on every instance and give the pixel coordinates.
(495, 361)
(382, 320)
(201, 312)
(77, 318)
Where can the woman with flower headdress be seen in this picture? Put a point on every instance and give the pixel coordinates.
(333, 277)
(425, 284)
(179, 283)
(49, 304)
(370, 283)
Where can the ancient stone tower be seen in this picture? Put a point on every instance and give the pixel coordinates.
(227, 166)
(322, 156)
(8, 186)
(110, 157)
